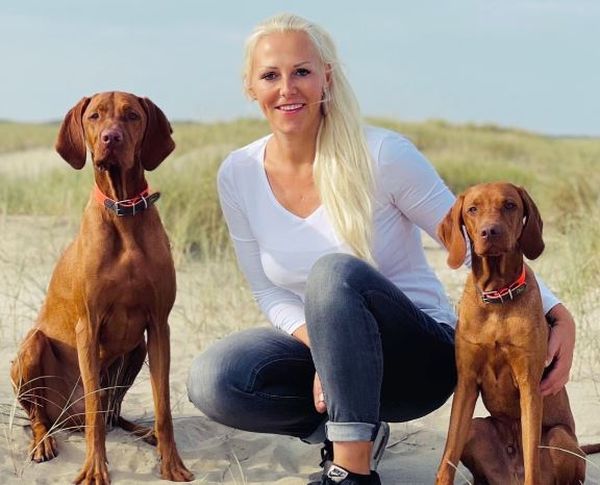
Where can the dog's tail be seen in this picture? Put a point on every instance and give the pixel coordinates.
(591, 449)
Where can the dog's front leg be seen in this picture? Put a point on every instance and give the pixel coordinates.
(463, 406)
(159, 357)
(528, 376)
(95, 468)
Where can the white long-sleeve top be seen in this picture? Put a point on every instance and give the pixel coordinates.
(276, 249)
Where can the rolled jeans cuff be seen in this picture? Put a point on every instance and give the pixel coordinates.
(351, 431)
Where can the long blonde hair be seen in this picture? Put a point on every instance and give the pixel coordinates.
(343, 168)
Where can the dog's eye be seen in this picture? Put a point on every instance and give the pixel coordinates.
(94, 116)
(472, 210)
(132, 115)
(509, 205)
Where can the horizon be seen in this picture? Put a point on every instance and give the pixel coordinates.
(368, 120)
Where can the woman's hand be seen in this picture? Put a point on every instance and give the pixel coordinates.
(561, 345)
(318, 395)
(301, 334)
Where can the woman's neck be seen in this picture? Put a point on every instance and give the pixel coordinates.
(295, 150)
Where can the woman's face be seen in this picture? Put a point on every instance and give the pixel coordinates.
(287, 81)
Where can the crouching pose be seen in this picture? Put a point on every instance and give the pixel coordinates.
(325, 216)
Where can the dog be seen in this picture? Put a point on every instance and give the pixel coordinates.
(501, 346)
(110, 294)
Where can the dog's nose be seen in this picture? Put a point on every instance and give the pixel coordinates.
(490, 232)
(111, 136)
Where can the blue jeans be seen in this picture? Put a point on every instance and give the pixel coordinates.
(378, 356)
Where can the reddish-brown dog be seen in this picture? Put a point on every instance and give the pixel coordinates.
(114, 285)
(501, 345)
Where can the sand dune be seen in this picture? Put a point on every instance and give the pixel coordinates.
(216, 454)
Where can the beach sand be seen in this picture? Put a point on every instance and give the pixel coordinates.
(29, 248)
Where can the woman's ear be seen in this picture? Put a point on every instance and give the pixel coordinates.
(249, 90)
(328, 75)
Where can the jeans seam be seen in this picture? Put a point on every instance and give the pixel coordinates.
(276, 396)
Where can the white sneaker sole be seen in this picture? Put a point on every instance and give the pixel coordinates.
(379, 444)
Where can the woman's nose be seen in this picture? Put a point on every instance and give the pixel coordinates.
(288, 86)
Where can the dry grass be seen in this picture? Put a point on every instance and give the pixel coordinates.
(559, 173)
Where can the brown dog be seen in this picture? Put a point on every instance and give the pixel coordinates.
(501, 345)
(114, 284)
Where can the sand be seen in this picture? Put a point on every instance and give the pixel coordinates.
(29, 247)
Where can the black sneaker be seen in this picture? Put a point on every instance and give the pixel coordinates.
(336, 475)
(379, 444)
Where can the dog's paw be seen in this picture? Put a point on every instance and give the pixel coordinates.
(173, 469)
(94, 472)
(44, 449)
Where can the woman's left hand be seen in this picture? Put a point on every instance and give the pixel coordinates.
(561, 345)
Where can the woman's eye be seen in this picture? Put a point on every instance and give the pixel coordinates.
(302, 72)
(94, 116)
(268, 76)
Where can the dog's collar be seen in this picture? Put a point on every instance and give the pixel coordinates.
(506, 293)
(127, 207)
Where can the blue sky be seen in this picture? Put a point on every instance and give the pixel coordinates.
(532, 64)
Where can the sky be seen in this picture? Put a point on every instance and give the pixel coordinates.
(530, 64)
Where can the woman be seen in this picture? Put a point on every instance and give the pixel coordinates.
(324, 215)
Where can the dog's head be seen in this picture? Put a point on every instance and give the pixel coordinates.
(498, 218)
(120, 130)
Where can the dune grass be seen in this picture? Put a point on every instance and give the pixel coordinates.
(559, 173)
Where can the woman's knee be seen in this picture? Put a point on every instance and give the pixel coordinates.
(331, 277)
(224, 379)
(207, 383)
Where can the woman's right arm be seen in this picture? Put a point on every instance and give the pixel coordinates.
(283, 308)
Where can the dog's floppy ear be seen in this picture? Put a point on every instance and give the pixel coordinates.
(451, 234)
(70, 143)
(157, 142)
(530, 240)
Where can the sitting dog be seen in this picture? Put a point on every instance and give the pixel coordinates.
(501, 346)
(110, 295)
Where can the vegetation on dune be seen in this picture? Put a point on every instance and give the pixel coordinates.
(559, 172)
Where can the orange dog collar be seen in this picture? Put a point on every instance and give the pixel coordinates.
(506, 293)
(127, 207)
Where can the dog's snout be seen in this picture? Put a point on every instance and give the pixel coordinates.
(111, 136)
(491, 231)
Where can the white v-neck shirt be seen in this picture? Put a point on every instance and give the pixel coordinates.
(276, 249)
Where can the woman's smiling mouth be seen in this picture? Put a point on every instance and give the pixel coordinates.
(290, 107)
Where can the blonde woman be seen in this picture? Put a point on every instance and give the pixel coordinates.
(325, 216)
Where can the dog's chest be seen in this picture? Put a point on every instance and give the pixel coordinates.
(500, 341)
(128, 294)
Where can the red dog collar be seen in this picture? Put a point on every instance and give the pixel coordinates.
(507, 293)
(127, 207)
